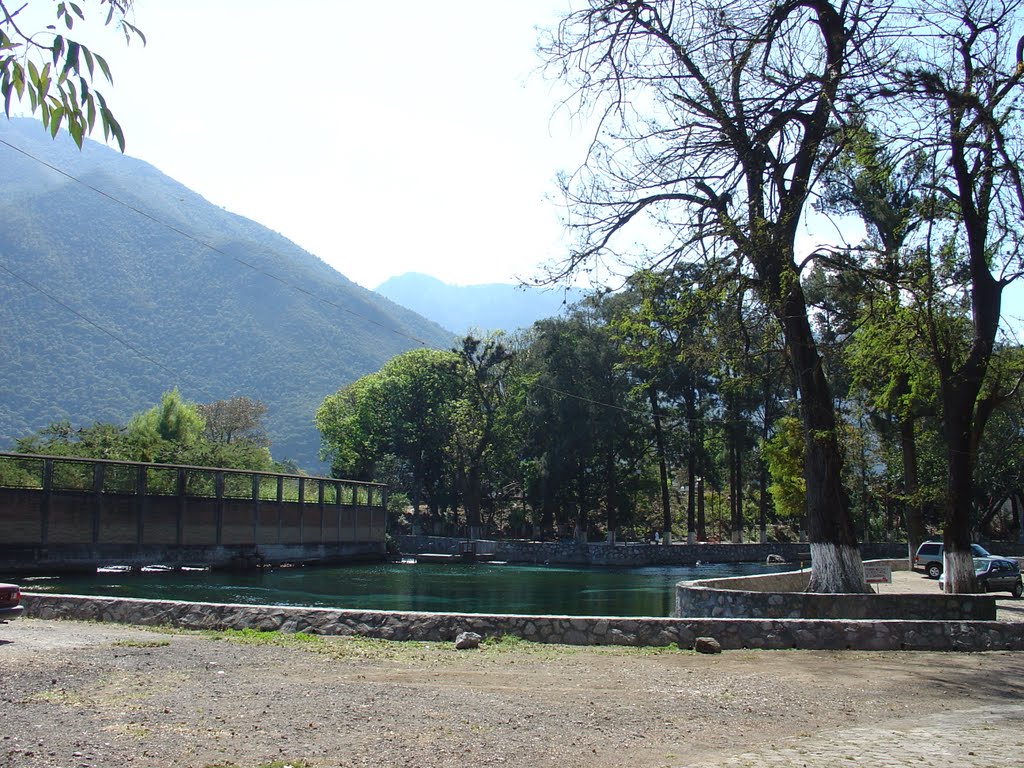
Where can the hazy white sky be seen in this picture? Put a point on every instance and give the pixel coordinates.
(383, 137)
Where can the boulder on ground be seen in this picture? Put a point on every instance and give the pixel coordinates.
(467, 640)
(707, 645)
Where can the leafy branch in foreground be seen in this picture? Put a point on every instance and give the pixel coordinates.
(56, 73)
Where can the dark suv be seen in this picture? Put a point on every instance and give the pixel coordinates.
(929, 557)
(996, 574)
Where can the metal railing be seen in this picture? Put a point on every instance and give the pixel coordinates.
(106, 476)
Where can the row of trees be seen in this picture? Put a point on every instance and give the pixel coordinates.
(225, 433)
(656, 408)
(721, 123)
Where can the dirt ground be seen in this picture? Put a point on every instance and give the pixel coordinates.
(77, 695)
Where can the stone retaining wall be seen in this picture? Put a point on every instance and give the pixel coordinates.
(782, 596)
(693, 600)
(572, 630)
(631, 554)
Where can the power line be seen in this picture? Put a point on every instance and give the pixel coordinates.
(203, 243)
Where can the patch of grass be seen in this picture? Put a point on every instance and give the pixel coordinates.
(336, 646)
(274, 764)
(141, 643)
(356, 646)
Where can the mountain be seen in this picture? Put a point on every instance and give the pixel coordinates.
(123, 284)
(490, 307)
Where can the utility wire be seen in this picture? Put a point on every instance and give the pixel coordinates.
(203, 243)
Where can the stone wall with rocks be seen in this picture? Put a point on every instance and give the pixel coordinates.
(630, 554)
(693, 600)
(787, 581)
(782, 596)
(572, 630)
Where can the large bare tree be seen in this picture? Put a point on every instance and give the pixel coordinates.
(714, 123)
(958, 93)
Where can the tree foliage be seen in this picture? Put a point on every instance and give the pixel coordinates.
(171, 432)
(58, 74)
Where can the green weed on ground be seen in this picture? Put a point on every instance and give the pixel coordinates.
(368, 648)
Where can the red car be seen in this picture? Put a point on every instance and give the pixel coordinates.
(10, 597)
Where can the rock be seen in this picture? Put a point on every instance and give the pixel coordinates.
(467, 640)
(707, 645)
(773, 558)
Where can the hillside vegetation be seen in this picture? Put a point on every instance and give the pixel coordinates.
(106, 303)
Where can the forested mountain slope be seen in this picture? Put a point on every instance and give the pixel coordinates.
(248, 316)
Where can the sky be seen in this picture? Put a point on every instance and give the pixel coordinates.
(382, 137)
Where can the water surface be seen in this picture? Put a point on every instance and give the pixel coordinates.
(460, 588)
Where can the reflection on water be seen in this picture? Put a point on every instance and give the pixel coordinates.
(461, 588)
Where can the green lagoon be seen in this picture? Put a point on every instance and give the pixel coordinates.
(459, 588)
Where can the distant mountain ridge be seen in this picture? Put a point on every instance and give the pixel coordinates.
(220, 307)
(486, 307)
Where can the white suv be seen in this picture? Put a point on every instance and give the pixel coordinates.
(929, 557)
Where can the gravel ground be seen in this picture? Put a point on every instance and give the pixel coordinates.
(77, 695)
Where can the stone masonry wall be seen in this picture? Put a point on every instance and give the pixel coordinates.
(572, 630)
(782, 596)
(626, 555)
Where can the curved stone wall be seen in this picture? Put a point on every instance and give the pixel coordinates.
(781, 596)
(703, 601)
(572, 630)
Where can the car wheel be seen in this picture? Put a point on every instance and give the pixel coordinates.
(934, 570)
(1018, 589)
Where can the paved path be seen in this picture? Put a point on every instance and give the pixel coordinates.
(980, 737)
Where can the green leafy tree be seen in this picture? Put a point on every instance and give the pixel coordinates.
(171, 432)
(482, 365)
(963, 82)
(585, 431)
(784, 453)
(405, 411)
(168, 429)
(56, 73)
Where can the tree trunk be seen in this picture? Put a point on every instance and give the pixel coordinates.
(736, 497)
(836, 564)
(702, 529)
(691, 500)
(915, 515)
(960, 455)
(694, 529)
(659, 442)
(473, 499)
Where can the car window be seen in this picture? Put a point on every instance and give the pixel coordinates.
(927, 550)
(979, 551)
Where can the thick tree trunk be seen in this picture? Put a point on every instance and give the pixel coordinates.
(836, 564)
(960, 455)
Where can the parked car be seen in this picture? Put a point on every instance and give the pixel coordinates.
(995, 574)
(10, 599)
(929, 557)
